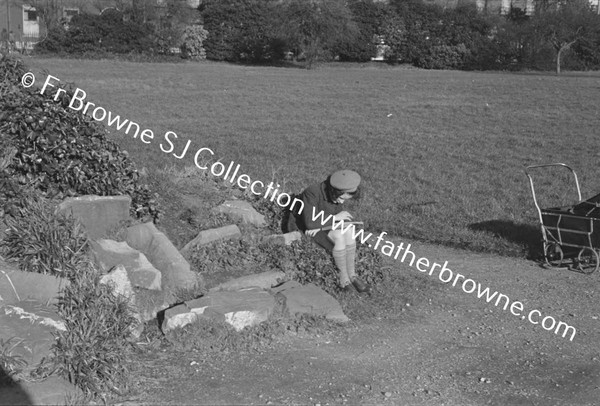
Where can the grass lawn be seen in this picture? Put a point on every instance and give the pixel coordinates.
(442, 153)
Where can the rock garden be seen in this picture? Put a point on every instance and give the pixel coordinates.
(92, 263)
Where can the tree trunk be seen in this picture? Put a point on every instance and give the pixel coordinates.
(558, 56)
(561, 49)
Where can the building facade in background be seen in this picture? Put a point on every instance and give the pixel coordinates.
(24, 19)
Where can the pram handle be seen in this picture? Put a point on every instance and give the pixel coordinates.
(537, 206)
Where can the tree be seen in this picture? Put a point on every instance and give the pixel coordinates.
(314, 27)
(370, 18)
(563, 23)
(419, 33)
(394, 34)
(587, 50)
(241, 30)
(171, 20)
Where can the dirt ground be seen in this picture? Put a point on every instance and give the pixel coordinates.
(428, 344)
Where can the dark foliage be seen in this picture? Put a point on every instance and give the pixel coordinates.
(61, 152)
(303, 261)
(241, 31)
(369, 17)
(107, 32)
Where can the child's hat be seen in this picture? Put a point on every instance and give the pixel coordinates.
(345, 180)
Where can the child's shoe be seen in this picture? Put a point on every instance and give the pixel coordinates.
(360, 286)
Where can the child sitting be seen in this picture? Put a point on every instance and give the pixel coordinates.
(329, 196)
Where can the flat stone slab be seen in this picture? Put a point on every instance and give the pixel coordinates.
(241, 308)
(263, 280)
(175, 270)
(214, 234)
(98, 214)
(241, 210)
(142, 274)
(30, 324)
(17, 285)
(309, 299)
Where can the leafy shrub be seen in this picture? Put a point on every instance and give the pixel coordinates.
(55, 41)
(274, 213)
(193, 39)
(312, 264)
(43, 241)
(229, 256)
(105, 32)
(371, 18)
(302, 261)
(62, 152)
(443, 57)
(242, 31)
(93, 352)
(357, 48)
(222, 19)
(169, 23)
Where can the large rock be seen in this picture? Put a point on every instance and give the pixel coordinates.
(178, 317)
(214, 234)
(241, 210)
(146, 303)
(98, 214)
(16, 285)
(142, 274)
(241, 308)
(309, 299)
(30, 325)
(118, 279)
(263, 280)
(176, 272)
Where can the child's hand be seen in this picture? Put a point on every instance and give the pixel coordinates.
(344, 215)
(313, 232)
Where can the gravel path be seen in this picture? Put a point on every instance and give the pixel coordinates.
(433, 345)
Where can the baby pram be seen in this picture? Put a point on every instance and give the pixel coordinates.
(571, 234)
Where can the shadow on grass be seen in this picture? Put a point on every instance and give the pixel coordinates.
(526, 235)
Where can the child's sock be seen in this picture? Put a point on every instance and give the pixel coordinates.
(339, 257)
(350, 257)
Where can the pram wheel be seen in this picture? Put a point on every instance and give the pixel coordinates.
(553, 254)
(588, 260)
